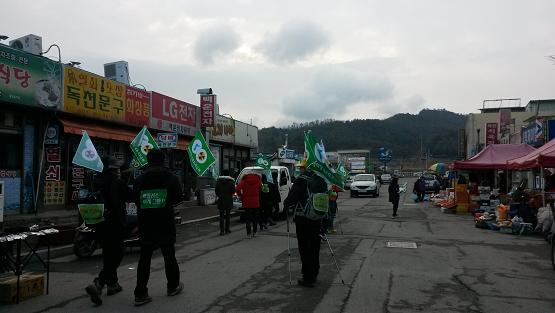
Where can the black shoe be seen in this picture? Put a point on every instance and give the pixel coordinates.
(228, 231)
(175, 291)
(305, 283)
(94, 293)
(272, 223)
(113, 289)
(142, 300)
(222, 233)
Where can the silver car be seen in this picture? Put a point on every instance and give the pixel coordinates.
(365, 184)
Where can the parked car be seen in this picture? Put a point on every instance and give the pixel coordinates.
(385, 178)
(284, 182)
(349, 181)
(432, 183)
(365, 184)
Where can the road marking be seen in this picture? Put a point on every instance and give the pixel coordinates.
(401, 244)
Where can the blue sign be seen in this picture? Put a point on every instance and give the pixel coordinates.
(384, 155)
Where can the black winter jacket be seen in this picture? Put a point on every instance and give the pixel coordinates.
(156, 211)
(115, 193)
(225, 188)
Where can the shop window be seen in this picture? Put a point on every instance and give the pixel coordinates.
(11, 154)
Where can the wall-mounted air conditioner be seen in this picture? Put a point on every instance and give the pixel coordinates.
(30, 43)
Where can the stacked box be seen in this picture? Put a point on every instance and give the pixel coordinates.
(30, 286)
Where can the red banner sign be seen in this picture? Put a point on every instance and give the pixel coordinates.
(491, 133)
(137, 106)
(173, 115)
(207, 104)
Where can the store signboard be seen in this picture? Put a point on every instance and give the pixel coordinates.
(173, 115)
(207, 104)
(504, 121)
(137, 106)
(491, 133)
(29, 79)
(223, 130)
(167, 140)
(93, 96)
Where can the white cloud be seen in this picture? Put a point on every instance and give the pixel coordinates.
(215, 42)
(295, 41)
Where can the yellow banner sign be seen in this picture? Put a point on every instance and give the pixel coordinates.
(93, 95)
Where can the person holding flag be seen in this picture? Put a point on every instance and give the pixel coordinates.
(156, 192)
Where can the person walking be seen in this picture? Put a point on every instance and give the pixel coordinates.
(156, 192)
(276, 198)
(249, 192)
(114, 193)
(393, 191)
(266, 203)
(419, 189)
(225, 187)
(308, 230)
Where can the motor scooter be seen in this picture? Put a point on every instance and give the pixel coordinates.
(86, 242)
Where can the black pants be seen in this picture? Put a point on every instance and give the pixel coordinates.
(225, 216)
(420, 196)
(143, 269)
(251, 218)
(395, 203)
(112, 254)
(308, 238)
(265, 214)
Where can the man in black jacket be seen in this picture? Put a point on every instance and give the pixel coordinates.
(156, 192)
(225, 188)
(308, 230)
(114, 193)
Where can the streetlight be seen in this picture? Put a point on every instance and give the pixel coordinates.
(59, 52)
(3, 37)
(74, 63)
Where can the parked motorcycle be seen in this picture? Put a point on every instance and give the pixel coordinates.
(85, 241)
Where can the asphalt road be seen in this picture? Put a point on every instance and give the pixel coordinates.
(455, 267)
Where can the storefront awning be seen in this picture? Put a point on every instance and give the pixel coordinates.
(121, 133)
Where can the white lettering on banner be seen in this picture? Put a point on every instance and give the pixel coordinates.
(177, 110)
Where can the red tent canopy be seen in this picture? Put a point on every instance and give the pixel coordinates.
(495, 156)
(544, 156)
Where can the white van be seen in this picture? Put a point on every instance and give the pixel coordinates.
(284, 184)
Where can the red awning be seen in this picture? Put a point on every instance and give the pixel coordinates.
(495, 156)
(120, 133)
(544, 156)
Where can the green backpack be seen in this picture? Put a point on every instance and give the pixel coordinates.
(317, 205)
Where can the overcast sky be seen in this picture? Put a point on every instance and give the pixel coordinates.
(278, 62)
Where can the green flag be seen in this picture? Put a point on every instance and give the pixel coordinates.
(341, 170)
(263, 162)
(86, 155)
(316, 160)
(199, 154)
(141, 145)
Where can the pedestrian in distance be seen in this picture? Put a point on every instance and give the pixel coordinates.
(249, 192)
(328, 222)
(300, 202)
(225, 187)
(276, 198)
(393, 191)
(419, 189)
(113, 193)
(156, 193)
(266, 203)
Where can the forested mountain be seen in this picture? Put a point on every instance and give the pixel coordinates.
(401, 133)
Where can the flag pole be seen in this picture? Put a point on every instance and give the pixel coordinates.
(39, 176)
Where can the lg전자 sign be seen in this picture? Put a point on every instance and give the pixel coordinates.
(167, 140)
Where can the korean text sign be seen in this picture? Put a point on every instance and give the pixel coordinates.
(207, 103)
(173, 115)
(93, 95)
(491, 133)
(137, 106)
(28, 79)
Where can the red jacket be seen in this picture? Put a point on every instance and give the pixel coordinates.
(249, 191)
